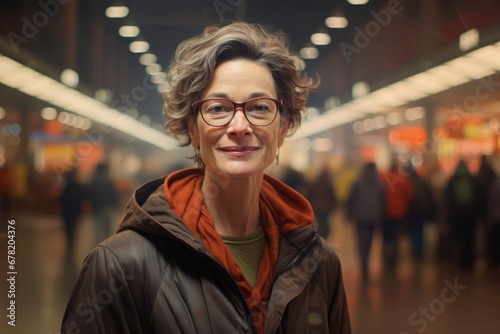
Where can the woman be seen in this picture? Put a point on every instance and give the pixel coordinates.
(224, 248)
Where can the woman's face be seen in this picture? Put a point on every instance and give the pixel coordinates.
(239, 149)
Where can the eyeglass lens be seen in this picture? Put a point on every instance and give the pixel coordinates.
(220, 112)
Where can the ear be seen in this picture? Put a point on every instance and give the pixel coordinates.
(194, 133)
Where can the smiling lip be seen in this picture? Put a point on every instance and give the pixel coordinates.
(239, 151)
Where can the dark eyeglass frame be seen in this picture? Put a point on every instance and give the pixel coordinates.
(236, 105)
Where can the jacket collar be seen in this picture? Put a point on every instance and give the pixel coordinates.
(148, 211)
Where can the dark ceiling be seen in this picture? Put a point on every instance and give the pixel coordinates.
(166, 23)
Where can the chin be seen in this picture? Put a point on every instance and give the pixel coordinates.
(240, 169)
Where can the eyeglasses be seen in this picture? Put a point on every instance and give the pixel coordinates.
(260, 111)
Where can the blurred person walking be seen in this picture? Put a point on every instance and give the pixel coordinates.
(295, 179)
(71, 200)
(104, 199)
(484, 179)
(421, 210)
(365, 207)
(462, 211)
(493, 223)
(321, 195)
(399, 195)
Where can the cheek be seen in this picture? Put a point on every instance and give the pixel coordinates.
(279, 134)
(271, 139)
(208, 138)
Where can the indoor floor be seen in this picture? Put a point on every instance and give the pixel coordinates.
(431, 297)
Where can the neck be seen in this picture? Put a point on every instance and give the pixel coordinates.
(233, 203)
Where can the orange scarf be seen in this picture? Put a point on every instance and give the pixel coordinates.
(183, 192)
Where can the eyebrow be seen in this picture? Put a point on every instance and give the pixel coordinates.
(224, 95)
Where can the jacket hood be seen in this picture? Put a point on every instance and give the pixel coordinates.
(148, 211)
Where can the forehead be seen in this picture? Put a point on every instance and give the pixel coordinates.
(240, 78)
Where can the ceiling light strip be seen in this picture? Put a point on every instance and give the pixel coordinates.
(30, 82)
(329, 120)
(468, 67)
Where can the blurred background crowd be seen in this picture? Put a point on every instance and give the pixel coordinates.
(404, 202)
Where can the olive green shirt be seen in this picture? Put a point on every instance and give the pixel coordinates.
(247, 251)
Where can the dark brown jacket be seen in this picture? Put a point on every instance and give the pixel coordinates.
(155, 276)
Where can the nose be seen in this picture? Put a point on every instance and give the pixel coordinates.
(239, 125)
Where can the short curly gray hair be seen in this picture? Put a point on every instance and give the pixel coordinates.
(196, 59)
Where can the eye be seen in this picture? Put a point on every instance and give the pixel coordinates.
(217, 107)
(260, 106)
